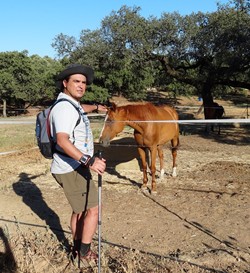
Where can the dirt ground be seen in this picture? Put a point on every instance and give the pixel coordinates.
(197, 222)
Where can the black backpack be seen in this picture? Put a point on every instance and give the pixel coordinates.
(43, 135)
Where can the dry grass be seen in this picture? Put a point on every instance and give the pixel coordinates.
(37, 251)
(12, 137)
(30, 252)
(40, 252)
(22, 136)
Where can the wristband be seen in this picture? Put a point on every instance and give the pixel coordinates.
(85, 159)
(97, 106)
(92, 159)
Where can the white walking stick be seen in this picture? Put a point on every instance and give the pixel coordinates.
(99, 215)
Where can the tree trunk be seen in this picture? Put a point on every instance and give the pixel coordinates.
(206, 92)
(4, 108)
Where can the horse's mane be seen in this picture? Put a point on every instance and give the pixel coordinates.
(144, 111)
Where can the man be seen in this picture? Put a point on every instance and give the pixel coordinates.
(74, 157)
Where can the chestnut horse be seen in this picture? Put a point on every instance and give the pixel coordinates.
(150, 133)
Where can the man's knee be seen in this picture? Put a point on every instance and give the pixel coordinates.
(93, 211)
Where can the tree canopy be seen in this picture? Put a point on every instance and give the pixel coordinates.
(206, 51)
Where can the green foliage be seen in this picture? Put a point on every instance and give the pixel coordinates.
(206, 54)
(44, 71)
(180, 89)
(64, 44)
(15, 75)
(26, 79)
(96, 94)
(197, 53)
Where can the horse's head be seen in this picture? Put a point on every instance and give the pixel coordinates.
(113, 124)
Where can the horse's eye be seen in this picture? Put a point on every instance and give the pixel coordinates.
(109, 121)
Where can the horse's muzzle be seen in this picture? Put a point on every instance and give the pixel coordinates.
(104, 142)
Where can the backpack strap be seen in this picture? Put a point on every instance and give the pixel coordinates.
(76, 107)
(53, 143)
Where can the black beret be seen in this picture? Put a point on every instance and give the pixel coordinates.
(87, 71)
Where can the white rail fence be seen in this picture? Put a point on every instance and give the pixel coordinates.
(245, 120)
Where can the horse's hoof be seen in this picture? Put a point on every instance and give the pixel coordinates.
(154, 192)
(162, 174)
(174, 173)
(144, 189)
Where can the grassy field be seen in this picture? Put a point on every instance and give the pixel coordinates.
(17, 137)
(22, 137)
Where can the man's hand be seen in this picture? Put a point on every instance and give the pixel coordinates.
(98, 166)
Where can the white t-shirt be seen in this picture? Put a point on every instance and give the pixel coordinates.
(63, 118)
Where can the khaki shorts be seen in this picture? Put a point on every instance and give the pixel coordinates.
(79, 189)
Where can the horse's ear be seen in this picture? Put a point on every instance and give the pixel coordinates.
(110, 105)
(113, 106)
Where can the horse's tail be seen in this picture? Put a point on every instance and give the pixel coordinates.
(220, 111)
(224, 112)
(199, 110)
(175, 143)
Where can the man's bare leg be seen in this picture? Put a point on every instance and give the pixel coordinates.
(84, 227)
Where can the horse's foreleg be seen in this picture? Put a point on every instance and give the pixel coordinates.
(160, 154)
(153, 152)
(175, 143)
(143, 156)
(219, 129)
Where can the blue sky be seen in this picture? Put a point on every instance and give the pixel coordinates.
(32, 25)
